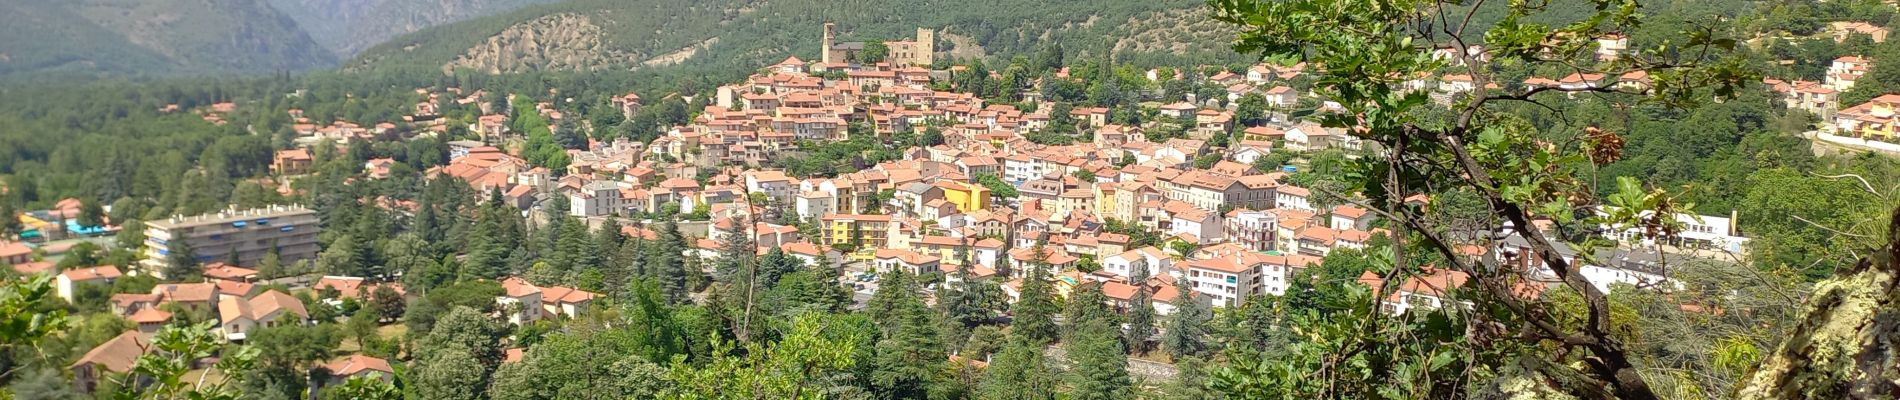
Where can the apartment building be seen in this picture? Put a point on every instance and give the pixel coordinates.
(250, 234)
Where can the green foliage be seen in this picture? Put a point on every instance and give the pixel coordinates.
(1405, 358)
(581, 364)
(1095, 344)
(1034, 313)
(1186, 335)
(174, 350)
(24, 305)
(998, 189)
(1019, 372)
(811, 354)
(373, 386)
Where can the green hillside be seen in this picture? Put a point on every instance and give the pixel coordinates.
(745, 34)
(150, 37)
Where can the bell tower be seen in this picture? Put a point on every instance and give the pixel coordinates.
(926, 47)
(824, 53)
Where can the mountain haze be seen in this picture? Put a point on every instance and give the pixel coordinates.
(629, 35)
(151, 37)
(347, 27)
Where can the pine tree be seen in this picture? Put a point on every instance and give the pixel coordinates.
(964, 305)
(342, 258)
(1141, 322)
(182, 262)
(911, 351)
(667, 264)
(1100, 371)
(9, 219)
(631, 268)
(1087, 303)
(1035, 312)
(1018, 372)
(91, 213)
(1187, 327)
(1141, 312)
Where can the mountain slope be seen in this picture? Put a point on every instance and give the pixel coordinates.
(150, 37)
(633, 34)
(348, 27)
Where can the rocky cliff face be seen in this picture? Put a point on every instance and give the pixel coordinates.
(558, 42)
(1847, 346)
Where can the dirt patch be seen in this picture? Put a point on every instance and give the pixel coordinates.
(679, 56)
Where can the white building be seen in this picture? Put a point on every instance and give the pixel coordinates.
(1698, 231)
(1124, 264)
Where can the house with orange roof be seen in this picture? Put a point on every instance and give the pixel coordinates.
(1346, 217)
(68, 282)
(1873, 120)
(15, 253)
(149, 319)
(905, 260)
(34, 268)
(238, 317)
(291, 162)
(358, 366)
(1430, 288)
(1842, 73)
(1125, 263)
(116, 356)
(520, 301)
(1841, 30)
(1224, 280)
(567, 302)
(1293, 197)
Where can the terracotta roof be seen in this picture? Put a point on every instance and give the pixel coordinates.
(117, 355)
(187, 292)
(358, 363)
(219, 270)
(92, 273)
(149, 315)
(14, 249)
(262, 306)
(235, 288)
(517, 287)
(36, 267)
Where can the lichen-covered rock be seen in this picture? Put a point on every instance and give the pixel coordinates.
(1847, 346)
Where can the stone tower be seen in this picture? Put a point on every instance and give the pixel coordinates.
(926, 47)
(824, 53)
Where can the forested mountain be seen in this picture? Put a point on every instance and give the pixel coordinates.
(151, 37)
(624, 35)
(347, 27)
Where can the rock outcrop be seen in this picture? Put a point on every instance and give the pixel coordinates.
(558, 42)
(1847, 345)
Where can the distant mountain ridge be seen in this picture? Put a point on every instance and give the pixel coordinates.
(92, 38)
(633, 34)
(151, 37)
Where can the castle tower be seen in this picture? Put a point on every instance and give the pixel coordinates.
(926, 47)
(824, 53)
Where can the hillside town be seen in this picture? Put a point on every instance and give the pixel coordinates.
(917, 219)
(1197, 204)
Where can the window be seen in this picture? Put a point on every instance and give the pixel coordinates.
(287, 228)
